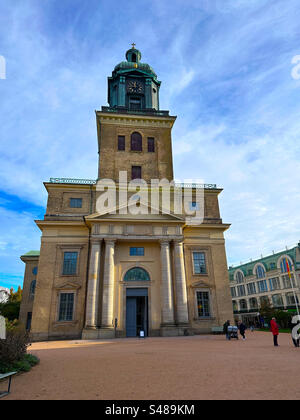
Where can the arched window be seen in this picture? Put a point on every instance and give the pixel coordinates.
(136, 142)
(137, 274)
(284, 264)
(239, 276)
(260, 272)
(32, 288)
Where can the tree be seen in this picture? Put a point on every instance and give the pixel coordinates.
(11, 308)
(15, 296)
(266, 311)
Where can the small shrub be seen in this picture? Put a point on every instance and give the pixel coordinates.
(31, 359)
(14, 347)
(21, 366)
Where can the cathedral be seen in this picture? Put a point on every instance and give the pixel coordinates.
(128, 266)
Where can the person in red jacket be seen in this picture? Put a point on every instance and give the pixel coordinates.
(275, 331)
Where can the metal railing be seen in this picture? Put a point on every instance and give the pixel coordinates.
(94, 182)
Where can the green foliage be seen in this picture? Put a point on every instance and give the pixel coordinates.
(14, 347)
(266, 311)
(22, 365)
(15, 297)
(13, 350)
(283, 318)
(11, 308)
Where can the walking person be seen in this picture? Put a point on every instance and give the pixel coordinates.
(242, 328)
(295, 322)
(275, 331)
(225, 329)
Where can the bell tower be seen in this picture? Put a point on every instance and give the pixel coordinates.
(133, 84)
(134, 135)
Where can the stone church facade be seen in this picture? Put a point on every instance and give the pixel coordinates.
(115, 273)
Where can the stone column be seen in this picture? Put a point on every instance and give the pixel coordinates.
(180, 284)
(108, 285)
(167, 309)
(92, 299)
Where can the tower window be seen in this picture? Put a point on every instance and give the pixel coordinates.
(76, 203)
(151, 144)
(136, 172)
(136, 142)
(134, 103)
(121, 143)
(133, 58)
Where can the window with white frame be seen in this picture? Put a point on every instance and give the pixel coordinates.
(262, 286)
(285, 265)
(253, 303)
(274, 283)
(277, 300)
(66, 306)
(199, 263)
(260, 272)
(251, 287)
(203, 304)
(241, 290)
(233, 291)
(239, 277)
(288, 282)
(290, 299)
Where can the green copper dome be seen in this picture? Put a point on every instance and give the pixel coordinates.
(133, 85)
(133, 57)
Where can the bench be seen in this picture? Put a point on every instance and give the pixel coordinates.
(4, 376)
(217, 330)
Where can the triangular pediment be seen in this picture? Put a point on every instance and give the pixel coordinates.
(132, 212)
(200, 283)
(68, 286)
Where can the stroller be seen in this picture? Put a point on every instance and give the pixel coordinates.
(233, 331)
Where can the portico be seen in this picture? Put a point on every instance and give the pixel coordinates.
(110, 260)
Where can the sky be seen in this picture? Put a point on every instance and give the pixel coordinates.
(229, 73)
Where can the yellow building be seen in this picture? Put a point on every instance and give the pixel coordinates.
(130, 264)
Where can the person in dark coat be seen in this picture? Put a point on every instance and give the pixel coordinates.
(242, 328)
(275, 331)
(225, 329)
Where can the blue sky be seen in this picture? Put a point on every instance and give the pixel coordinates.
(226, 68)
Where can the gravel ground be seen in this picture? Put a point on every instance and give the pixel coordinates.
(181, 368)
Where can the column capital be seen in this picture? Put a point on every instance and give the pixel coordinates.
(178, 242)
(97, 241)
(164, 242)
(110, 241)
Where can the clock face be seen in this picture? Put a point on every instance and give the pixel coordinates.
(134, 87)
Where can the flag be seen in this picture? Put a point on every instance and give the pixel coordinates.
(288, 268)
